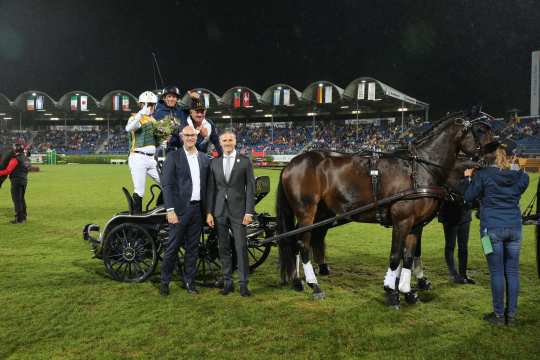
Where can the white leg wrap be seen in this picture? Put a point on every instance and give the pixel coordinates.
(405, 281)
(309, 273)
(418, 268)
(390, 277)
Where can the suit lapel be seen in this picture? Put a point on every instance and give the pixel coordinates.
(183, 157)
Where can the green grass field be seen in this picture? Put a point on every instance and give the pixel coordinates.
(57, 302)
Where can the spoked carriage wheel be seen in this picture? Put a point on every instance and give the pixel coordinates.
(257, 255)
(129, 253)
(208, 265)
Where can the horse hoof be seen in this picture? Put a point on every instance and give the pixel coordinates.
(392, 298)
(424, 284)
(297, 285)
(412, 298)
(324, 270)
(319, 295)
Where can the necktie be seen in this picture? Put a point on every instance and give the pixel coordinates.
(228, 167)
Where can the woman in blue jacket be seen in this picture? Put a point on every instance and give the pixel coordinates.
(499, 190)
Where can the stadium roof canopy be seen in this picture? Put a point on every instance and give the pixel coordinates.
(369, 93)
(78, 101)
(119, 101)
(364, 95)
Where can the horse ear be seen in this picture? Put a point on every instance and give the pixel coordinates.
(475, 111)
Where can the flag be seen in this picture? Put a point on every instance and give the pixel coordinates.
(277, 94)
(116, 103)
(125, 103)
(371, 91)
(361, 91)
(30, 105)
(74, 103)
(84, 103)
(328, 94)
(206, 100)
(319, 95)
(40, 102)
(286, 97)
(245, 99)
(236, 100)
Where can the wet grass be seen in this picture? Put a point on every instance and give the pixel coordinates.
(57, 302)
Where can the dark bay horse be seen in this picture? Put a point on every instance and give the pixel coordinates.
(319, 184)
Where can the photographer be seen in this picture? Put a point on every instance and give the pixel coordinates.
(499, 190)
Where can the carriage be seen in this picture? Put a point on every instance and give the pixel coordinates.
(131, 245)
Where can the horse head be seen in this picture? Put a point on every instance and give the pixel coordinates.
(475, 132)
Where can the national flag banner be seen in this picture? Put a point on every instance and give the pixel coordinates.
(245, 99)
(286, 97)
(236, 100)
(84, 103)
(371, 91)
(328, 94)
(116, 103)
(277, 95)
(74, 103)
(319, 94)
(40, 102)
(125, 103)
(206, 100)
(361, 93)
(30, 105)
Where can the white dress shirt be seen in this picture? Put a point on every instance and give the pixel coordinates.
(232, 156)
(195, 175)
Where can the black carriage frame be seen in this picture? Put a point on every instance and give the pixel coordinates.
(131, 245)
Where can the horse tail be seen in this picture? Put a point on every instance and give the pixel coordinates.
(285, 222)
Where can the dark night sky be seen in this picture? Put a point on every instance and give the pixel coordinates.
(448, 53)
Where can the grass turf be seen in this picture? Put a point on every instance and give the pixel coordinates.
(57, 302)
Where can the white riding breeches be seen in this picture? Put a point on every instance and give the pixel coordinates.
(140, 165)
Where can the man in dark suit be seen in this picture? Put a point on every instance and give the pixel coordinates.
(184, 178)
(231, 205)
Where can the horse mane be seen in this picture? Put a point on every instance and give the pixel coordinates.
(438, 126)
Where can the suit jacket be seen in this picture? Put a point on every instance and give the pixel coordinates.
(176, 180)
(239, 191)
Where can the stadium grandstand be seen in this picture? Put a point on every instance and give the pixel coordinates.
(282, 120)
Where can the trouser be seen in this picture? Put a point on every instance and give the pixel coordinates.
(224, 224)
(18, 190)
(503, 265)
(140, 165)
(187, 234)
(459, 232)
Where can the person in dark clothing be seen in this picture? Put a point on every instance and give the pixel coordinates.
(456, 219)
(17, 169)
(499, 189)
(168, 107)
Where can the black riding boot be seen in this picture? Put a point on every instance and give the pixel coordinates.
(137, 204)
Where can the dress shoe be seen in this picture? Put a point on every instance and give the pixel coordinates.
(244, 291)
(17, 221)
(164, 289)
(494, 319)
(191, 289)
(228, 288)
